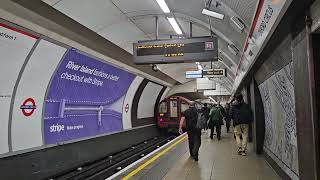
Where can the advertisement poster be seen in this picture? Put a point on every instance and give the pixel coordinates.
(85, 99)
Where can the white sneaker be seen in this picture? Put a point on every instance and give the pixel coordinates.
(243, 153)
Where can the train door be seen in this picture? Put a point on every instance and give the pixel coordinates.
(174, 109)
(163, 109)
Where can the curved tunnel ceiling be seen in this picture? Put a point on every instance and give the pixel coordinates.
(124, 22)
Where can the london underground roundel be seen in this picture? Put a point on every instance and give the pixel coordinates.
(28, 107)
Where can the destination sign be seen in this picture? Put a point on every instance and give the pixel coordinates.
(214, 73)
(176, 50)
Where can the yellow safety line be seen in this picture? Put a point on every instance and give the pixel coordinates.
(153, 159)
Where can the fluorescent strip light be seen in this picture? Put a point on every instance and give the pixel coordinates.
(175, 25)
(212, 14)
(212, 99)
(163, 5)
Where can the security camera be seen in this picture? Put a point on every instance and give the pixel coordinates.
(155, 67)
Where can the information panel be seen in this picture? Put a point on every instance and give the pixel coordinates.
(205, 84)
(176, 50)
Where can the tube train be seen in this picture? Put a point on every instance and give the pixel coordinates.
(169, 112)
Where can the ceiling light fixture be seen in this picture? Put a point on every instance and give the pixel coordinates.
(212, 99)
(233, 49)
(163, 5)
(212, 14)
(237, 24)
(174, 25)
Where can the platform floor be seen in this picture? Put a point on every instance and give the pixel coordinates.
(218, 160)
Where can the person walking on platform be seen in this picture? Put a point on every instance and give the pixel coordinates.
(205, 111)
(241, 115)
(227, 117)
(194, 134)
(216, 120)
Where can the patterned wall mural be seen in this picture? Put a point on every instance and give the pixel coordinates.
(279, 108)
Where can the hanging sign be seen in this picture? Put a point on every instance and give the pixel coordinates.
(193, 74)
(214, 73)
(176, 50)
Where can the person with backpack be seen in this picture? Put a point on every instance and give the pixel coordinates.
(191, 117)
(216, 120)
(205, 112)
(241, 114)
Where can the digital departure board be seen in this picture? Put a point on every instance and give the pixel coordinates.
(176, 50)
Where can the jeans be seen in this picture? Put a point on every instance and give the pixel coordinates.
(218, 129)
(241, 129)
(194, 137)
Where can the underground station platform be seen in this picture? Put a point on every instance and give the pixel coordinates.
(94, 90)
(218, 160)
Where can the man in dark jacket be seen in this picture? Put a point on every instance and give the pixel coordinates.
(194, 134)
(216, 120)
(241, 115)
(205, 111)
(227, 116)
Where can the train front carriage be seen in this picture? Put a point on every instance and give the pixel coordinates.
(169, 112)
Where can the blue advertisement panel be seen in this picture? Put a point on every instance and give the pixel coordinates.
(85, 99)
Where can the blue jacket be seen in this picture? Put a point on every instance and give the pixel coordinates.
(241, 114)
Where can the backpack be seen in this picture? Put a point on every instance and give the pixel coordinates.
(246, 113)
(201, 121)
(216, 116)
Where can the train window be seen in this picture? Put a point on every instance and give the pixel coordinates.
(184, 107)
(163, 107)
(173, 108)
